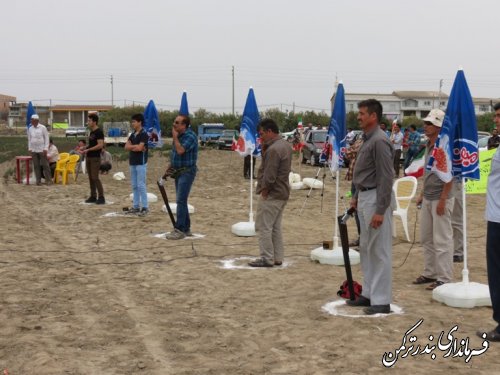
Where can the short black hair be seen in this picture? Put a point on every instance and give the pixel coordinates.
(413, 127)
(269, 124)
(93, 117)
(185, 120)
(139, 117)
(372, 105)
(496, 107)
(83, 141)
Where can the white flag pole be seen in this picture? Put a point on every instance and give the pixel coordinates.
(465, 271)
(250, 215)
(336, 227)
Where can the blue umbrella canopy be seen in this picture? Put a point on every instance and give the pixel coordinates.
(247, 141)
(152, 125)
(455, 152)
(184, 109)
(30, 112)
(337, 130)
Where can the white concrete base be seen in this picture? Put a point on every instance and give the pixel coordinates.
(340, 308)
(312, 183)
(334, 256)
(173, 207)
(244, 229)
(152, 198)
(463, 294)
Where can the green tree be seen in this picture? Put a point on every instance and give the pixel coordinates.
(407, 121)
(485, 122)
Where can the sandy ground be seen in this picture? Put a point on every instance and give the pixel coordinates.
(86, 294)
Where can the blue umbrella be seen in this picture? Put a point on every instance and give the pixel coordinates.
(337, 130)
(247, 141)
(456, 153)
(184, 110)
(31, 111)
(152, 125)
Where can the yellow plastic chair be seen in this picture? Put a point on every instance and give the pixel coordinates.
(70, 168)
(63, 155)
(60, 167)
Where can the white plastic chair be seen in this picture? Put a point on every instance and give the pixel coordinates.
(404, 189)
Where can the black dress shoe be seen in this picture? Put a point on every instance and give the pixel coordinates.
(458, 258)
(490, 336)
(377, 309)
(359, 302)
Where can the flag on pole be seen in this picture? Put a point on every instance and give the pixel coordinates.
(335, 148)
(416, 167)
(152, 125)
(184, 109)
(247, 141)
(455, 152)
(30, 112)
(300, 125)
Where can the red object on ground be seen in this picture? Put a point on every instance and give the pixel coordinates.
(27, 160)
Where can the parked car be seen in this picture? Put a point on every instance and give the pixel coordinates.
(314, 143)
(75, 132)
(226, 139)
(209, 133)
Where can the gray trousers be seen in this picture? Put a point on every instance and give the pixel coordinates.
(268, 224)
(40, 160)
(375, 250)
(437, 241)
(457, 219)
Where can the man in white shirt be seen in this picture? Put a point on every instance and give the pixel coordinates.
(397, 143)
(38, 146)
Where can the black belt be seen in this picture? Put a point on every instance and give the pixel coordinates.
(366, 189)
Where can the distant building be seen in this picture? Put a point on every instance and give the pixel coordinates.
(401, 104)
(66, 115)
(5, 102)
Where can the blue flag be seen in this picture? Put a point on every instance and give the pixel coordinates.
(455, 152)
(152, 125)
(184, 110)
(30, 112)
(337, 132)
(247, 143)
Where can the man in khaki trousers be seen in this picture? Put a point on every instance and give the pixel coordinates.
(274, 191)
(435, 223)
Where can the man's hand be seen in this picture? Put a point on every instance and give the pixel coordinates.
(264, 193)
(377, 221)
(45, 153)
(354, 203)
(419, 200)
(175, 133)
(440, 207)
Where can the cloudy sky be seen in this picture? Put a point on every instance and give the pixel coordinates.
(290, 51)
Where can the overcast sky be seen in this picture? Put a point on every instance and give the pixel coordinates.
(290, 51)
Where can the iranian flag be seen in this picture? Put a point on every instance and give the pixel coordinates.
(300, 125)
(416, 168)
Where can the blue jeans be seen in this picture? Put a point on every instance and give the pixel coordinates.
(183, 185)
(138, 182)
(493, 266)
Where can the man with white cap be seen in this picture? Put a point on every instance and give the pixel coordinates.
(435, 219)
(38, 145)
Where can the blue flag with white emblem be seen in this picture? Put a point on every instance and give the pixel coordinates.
(247, 143)
(335, 147)
(455, 152)
(152, 125)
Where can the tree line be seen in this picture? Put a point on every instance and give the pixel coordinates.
(287, 121)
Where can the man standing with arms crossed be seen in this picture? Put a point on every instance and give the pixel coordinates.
(373, 177)
(274, 190)
(183, 168)
(93, 160)
(38, 146)
(493, 237)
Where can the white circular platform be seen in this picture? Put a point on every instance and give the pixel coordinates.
(340, 308)
(334, 256)
(244, 229)
(465, 295)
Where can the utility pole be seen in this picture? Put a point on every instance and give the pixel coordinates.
(293, 111)
(112, 93)
(439, 94)
(233, 90)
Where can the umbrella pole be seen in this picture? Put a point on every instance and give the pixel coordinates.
(335, 236)
(465, 271)
(250, 215)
